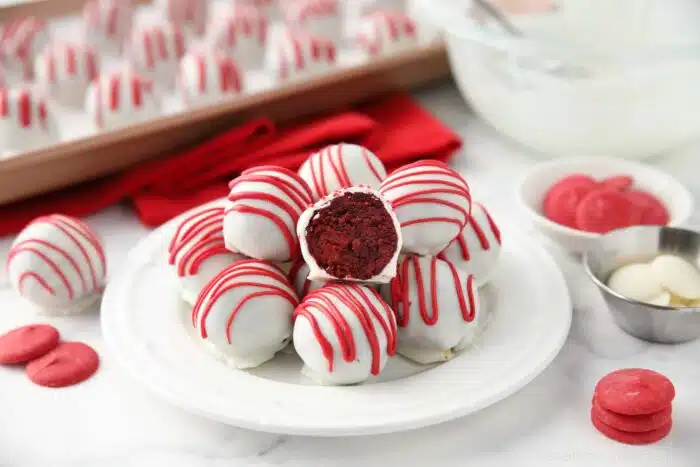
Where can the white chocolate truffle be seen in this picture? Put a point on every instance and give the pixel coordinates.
(299, 278)
(386, 32)
(155, 52)
(341, 166)
(244, 314)
(344, 333)
(269, 8)
(263, 208)
(21, 41)
(323, 18)
(27, 121)
(677, 275)
(242, 35)
(298, 55)
(107, 24)
(58, 263)
(636, 281)
(436, 306)
(208, 78)
(189, 15)
(432, 203)
(352, 235)
(65, 70)
(197, 251)
(121, 98)
(477, 247)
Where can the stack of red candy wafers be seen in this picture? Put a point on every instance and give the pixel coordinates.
(633, 406)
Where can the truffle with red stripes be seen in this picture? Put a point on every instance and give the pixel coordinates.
(341, 166)
(155, 51)
(432, 203)
(64, 71)
(107, 24)
(26, 119)
(477, 248)
(299, 278)
(58, 263)
(241, 33)
(344, 333)
(121, 98)
(384, 32)
(189, 15)
(298, 54)
(21, 41)
(244, 315)
(264, 205)
(436, 306)
(270, 8)
(207, 78)
(320, 17)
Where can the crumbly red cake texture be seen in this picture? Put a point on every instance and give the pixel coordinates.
(353, 237)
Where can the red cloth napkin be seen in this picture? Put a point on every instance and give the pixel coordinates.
(396, 128)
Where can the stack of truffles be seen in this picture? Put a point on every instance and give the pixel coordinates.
(350, 264)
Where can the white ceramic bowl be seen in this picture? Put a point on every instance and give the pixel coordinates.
(534, 185)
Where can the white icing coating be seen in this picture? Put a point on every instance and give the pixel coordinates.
(240, 34)
(477, 247)
(189, 15)
(298, 54)
(341, 166)
(339, 311)
(65, 70)
(677, 275)
(262, 212)
(384, 32)
(316, 273)
(21, 41)
(121, 98)
(27, 121)
(245, 313)
(208, 78)
(155, 51)
(197, 252)
(57, 263)
(432, 203)
(270, 8)
(299, 277)
(428, 333)
(107, 24)
(319, 17)
(636, 281)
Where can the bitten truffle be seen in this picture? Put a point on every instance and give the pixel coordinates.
(352, 235)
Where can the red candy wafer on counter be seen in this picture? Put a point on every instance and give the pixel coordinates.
(632, 423)
(68, 364)
(27, 343)
(647, 437)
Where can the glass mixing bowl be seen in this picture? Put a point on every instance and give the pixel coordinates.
(617, 78)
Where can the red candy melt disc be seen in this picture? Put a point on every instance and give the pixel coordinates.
(632, 423)
(627, 437)
(27, 343)
(618, 182)
(69, 363)
(635, 391)
(562, 199)
(603, 210)
(652, 210)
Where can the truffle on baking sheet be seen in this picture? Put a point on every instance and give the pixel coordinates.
(189, 15)
(65, 70)
(155, 52)
(57, 262)
(21, 40)
(320, 17)
(121, 98)
(436, 306)
(341, 166)
(432, 203)
(107, 24)
(244, 314)
(241, 34)
(261, 214)
(207, 77)
(384, 32)
(477, 247)
(197, 251)
(297, 54)
(351, 234)
(26, 120)
(344, 333)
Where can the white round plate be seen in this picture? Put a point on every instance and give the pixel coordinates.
(145, 326)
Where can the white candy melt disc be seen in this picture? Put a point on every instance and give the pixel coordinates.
(664, 299)
(677, 276)
(636, 281)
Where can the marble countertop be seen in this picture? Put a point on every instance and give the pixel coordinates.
(110, 421)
